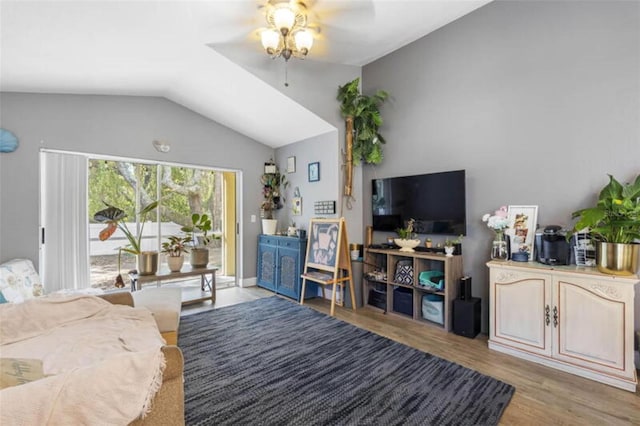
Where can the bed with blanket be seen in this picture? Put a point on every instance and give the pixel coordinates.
(101, 363)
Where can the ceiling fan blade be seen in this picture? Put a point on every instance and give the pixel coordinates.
(220, 22)
(343, 13)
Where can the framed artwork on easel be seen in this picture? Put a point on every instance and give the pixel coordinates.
(328, 262)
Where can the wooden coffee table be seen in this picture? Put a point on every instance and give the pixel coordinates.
(207, 285)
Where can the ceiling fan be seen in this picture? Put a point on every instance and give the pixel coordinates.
(252, 33)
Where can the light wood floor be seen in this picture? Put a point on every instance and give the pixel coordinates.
(544, 396)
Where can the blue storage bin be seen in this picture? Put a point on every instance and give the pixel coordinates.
(403, 300)
(433, 308)
(433, 280)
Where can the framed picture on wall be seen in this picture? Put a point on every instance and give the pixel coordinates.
(522, 228)
(291, 164)
(314, 172)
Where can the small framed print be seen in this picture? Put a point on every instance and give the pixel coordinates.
(296, 206)
(291, 165)
(270, 168)
(522, 228)
(314, 172)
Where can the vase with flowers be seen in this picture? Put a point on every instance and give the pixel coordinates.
(498, 222)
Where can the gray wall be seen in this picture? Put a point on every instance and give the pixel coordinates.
(314, 85)
(320, 149)
(538, 101)
(119, 126)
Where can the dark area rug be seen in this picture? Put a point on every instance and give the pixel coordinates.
(273, 362)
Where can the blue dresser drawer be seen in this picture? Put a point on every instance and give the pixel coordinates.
(291, 242)
(271, 240)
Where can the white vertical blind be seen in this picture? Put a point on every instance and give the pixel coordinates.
(65, 252)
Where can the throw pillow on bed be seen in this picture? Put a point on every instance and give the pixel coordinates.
(19, 281)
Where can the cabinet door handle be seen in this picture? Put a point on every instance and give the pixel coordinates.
(546, 315)
(555, 316)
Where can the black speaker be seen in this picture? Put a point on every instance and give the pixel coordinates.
(464, 288)
(466, 317)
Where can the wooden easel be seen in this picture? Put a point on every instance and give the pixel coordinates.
(327, 260)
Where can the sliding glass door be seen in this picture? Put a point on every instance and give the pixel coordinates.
(130, 186)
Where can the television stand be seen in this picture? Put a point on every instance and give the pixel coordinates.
(425, 303)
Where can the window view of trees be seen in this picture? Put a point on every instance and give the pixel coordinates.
(130, 186)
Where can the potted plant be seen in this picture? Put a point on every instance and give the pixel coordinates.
(407, 240)
(175, 249)
(614, 223)
(112, 216)
(199, 230)
(272, 185)
(450, 245)
(362, 120)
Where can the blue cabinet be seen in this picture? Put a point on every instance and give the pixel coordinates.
(280, 264)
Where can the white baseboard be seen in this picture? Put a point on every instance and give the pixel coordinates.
(249, 282)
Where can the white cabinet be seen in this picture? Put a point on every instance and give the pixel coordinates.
(573, 319)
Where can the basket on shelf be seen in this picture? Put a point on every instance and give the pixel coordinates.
(433, 280)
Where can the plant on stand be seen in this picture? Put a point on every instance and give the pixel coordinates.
(272, 185)
(498, 222)
(614, 223)
(175, 249)
(407, 240)
(199, 230)
(112, 216)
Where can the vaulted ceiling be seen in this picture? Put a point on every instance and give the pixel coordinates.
(195, 52)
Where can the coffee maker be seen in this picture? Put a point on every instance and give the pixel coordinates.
(552, 247)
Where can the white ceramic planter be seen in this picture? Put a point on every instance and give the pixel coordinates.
(175, 263)
(407, 245)
(269, 226)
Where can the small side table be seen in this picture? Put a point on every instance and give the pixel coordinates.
(207, 285)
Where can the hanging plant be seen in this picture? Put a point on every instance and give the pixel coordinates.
(362, 119)
(273, 199)
(365, 112)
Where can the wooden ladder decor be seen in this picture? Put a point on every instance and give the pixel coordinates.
(327, 259)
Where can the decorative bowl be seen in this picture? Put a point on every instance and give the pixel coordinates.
(520, 256)
(406, 245)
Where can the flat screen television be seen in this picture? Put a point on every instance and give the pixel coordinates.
(436, 201)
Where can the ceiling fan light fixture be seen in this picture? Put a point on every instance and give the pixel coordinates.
(284, 18)
(304, 41)
(287, 34)
(270, 39)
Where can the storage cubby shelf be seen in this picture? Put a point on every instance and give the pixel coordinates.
(438, 266)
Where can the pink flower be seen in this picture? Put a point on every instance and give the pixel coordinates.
(501, 212)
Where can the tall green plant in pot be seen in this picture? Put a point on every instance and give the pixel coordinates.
(614, 222)
(113, 217)
(362, 120)
(199, 230)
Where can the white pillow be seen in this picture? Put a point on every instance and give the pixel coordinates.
(19, 281)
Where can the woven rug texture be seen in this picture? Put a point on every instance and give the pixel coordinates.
(273, 362)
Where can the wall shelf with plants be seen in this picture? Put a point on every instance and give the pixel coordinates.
(273, 184)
